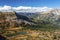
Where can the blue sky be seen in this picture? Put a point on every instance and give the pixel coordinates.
(33, 3)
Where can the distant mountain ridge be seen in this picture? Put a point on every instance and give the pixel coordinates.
(52, 16)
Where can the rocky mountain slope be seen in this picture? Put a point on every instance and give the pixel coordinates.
(34, 26)
(51, 16)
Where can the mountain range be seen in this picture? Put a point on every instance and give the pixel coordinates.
(49, 16)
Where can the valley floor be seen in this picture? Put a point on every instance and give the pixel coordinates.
(21, 34)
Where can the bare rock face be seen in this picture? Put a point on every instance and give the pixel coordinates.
(6, 19)
(9, 19)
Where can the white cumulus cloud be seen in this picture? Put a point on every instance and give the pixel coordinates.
(23, 8)
(5, 8)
